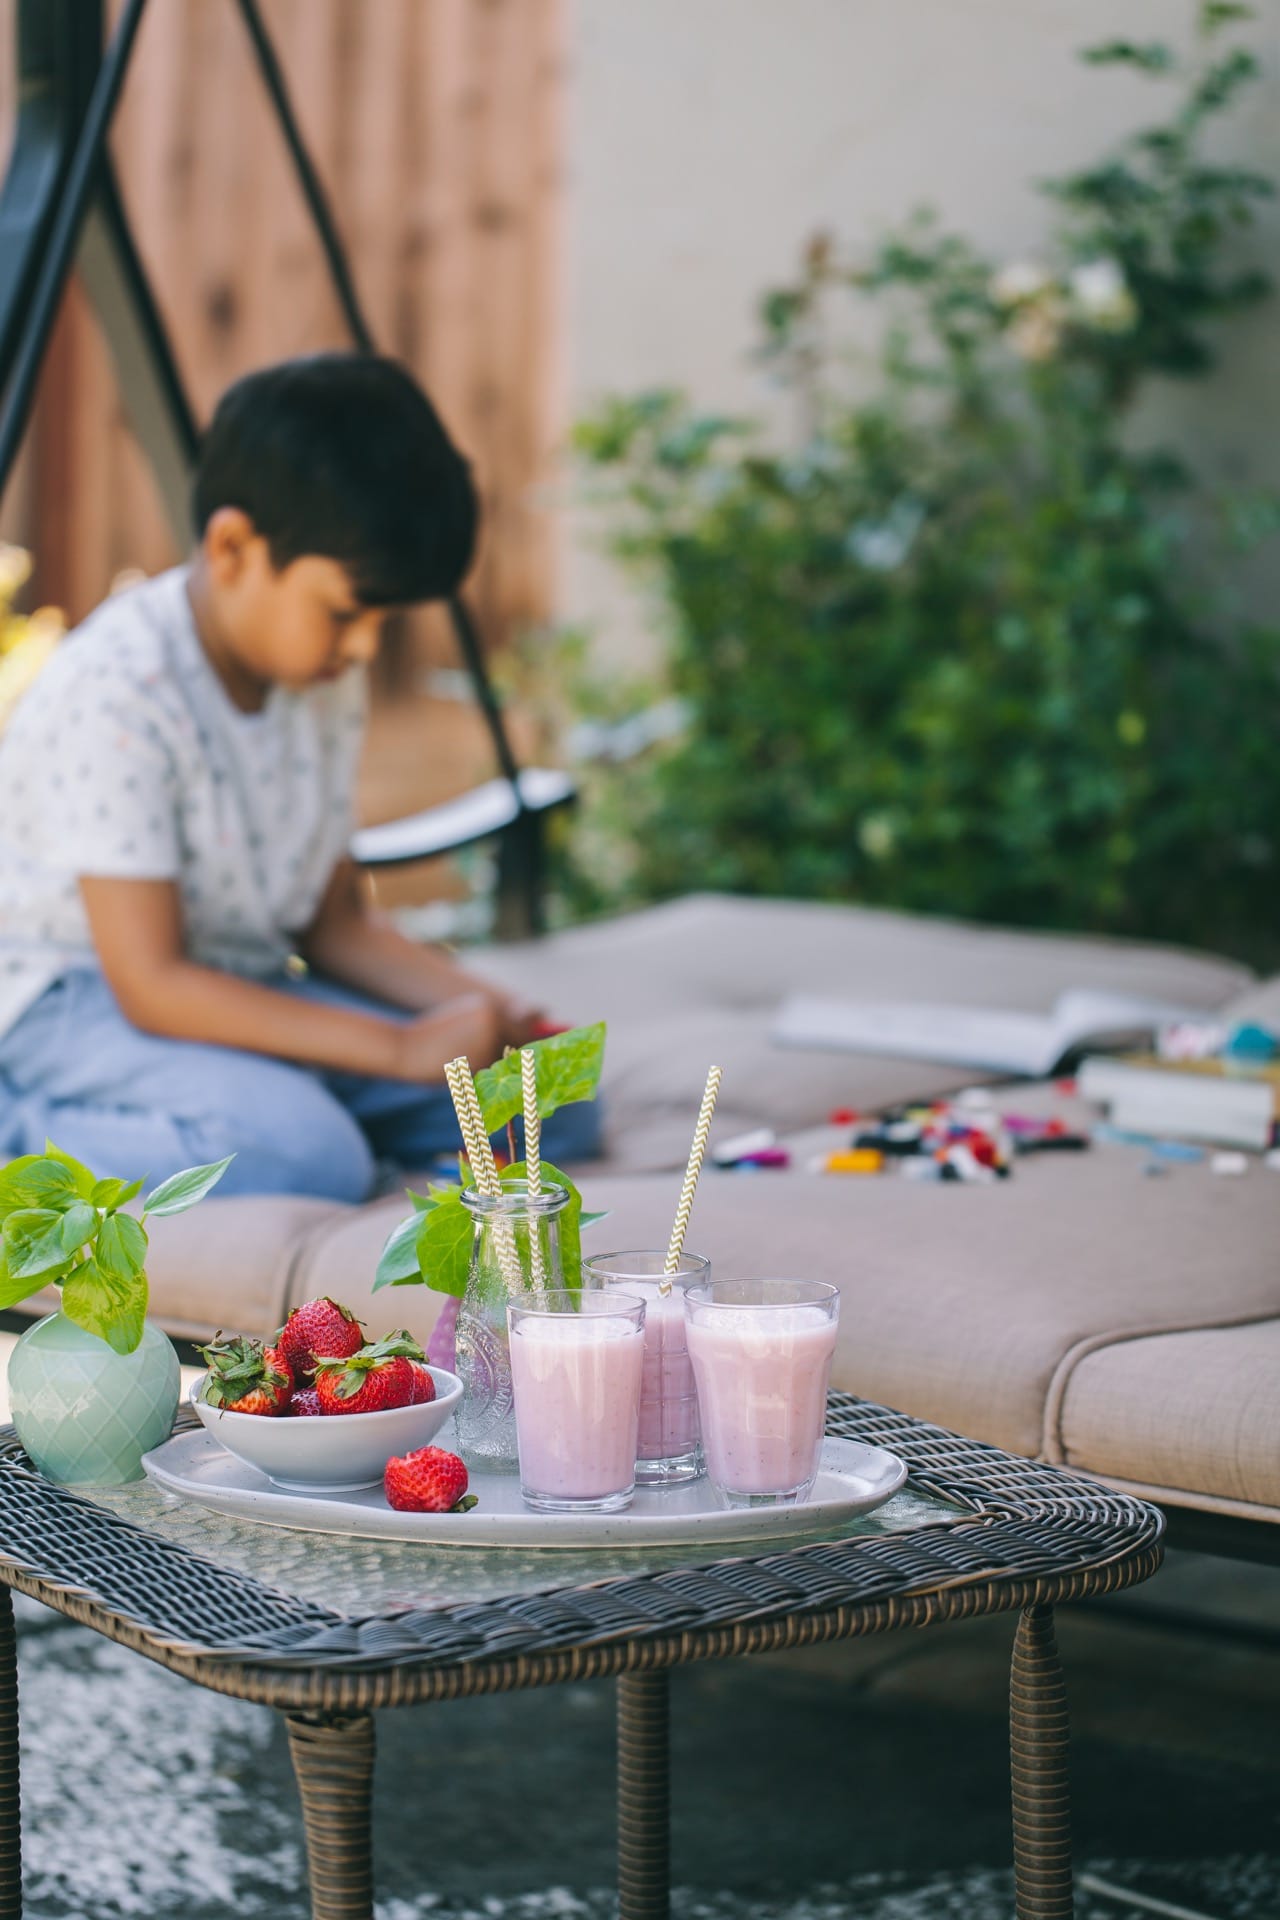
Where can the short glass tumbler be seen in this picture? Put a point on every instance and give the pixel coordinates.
(669, 1448)
(761, 1353)
(576, 1361)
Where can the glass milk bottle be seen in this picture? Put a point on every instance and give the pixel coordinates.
(515, 1251)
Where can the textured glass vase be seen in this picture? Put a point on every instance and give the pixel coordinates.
(515, 1249)
(85, 1413)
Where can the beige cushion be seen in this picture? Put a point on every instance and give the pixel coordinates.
(700, 979)
(228, 1263)
(960, 1304)
(1196, 1414)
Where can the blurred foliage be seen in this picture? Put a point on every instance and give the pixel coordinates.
(26, 639)
(947, 651)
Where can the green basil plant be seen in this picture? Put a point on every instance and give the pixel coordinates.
(433, 1245)
(60, 1224)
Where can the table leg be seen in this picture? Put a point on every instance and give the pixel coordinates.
(1038, 1751)
(644, 1833)
(10, 1824)
(333, 1761)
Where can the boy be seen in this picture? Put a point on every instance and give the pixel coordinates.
(187, 965)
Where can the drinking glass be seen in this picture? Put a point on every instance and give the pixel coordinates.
(576, 1362)
(761, 1353)
(669, 1450)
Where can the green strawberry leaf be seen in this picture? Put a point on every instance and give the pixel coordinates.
(122, 1246)
(33, 1242)
(568, 1067)
(36, 1180)
(109, 1305)
(114, 1193)
(182, 1190)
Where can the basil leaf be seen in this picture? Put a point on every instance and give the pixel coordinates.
(12, 1288)
(122, 1246)
(445, 1235)
(35, 1180)
(182, 1190)
(399, 1259)
(568, 1066)
(113, 1306)
(82, 1178)
(33, 1242)
(79, 1223)
(114, 1193)
(569, 1219)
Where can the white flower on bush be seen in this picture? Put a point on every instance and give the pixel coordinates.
(882, 545)
(1035, 332)
(1100, 295)
(1018, 282)
(876, 836)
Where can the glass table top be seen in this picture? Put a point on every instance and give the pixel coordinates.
(358, 1577)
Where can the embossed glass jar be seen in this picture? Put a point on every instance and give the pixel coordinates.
(515, 1250)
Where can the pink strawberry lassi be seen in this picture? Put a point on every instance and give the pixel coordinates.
(668, 1447)
(761, 1353)
(576, 1364)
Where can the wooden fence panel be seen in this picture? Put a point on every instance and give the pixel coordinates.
(436, 127)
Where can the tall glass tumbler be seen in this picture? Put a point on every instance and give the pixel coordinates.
(576, 1361)
(761, 1353)
(669, 1450)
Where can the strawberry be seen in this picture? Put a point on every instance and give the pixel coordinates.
(380, 1375)
(306, 1401)
(315, 1328)
(246, 1377)
(429, 1480)
(424, 1387)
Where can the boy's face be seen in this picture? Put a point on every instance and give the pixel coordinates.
(294, 625)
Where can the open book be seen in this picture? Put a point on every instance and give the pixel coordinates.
(980, 1037)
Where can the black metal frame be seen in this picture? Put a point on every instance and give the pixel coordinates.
(60, 206)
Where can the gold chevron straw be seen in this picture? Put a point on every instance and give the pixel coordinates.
(676, 1244)
(532, 1156)
(466, 1105)
(475, 1139)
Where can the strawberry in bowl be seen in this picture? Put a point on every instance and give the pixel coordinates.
(318, 1328)
(367, 1408)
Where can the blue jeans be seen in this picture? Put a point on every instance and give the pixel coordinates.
(132, 1104)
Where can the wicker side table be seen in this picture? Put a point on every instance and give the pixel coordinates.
(989, 1534)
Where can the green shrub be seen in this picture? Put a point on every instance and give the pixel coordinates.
(947, 651)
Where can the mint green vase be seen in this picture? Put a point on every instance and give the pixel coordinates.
(85, 1413)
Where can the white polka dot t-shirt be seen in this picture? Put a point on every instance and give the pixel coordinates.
(127, 759)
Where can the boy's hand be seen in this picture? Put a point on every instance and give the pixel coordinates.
(518, 1021)
(470, 1025)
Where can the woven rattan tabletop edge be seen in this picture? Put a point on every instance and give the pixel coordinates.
(1031, 1532)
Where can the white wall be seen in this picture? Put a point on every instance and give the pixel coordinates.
(709, 138)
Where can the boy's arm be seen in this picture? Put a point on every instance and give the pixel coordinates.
(350, 942)
(137, 931)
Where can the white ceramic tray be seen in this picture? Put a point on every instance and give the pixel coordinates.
(851, 1479)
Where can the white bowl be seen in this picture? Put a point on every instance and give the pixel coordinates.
(329, 1453)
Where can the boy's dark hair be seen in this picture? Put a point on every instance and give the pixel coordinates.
(342, 454)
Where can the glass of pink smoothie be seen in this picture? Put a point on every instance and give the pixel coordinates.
(669, 1450)
(761, 1353)
(576, 1362)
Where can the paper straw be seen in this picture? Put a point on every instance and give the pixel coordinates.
(476, 1141)
(467, 1107)
(676, 1244)
(532, 1157)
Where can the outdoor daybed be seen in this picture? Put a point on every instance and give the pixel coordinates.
(1081, 1311)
